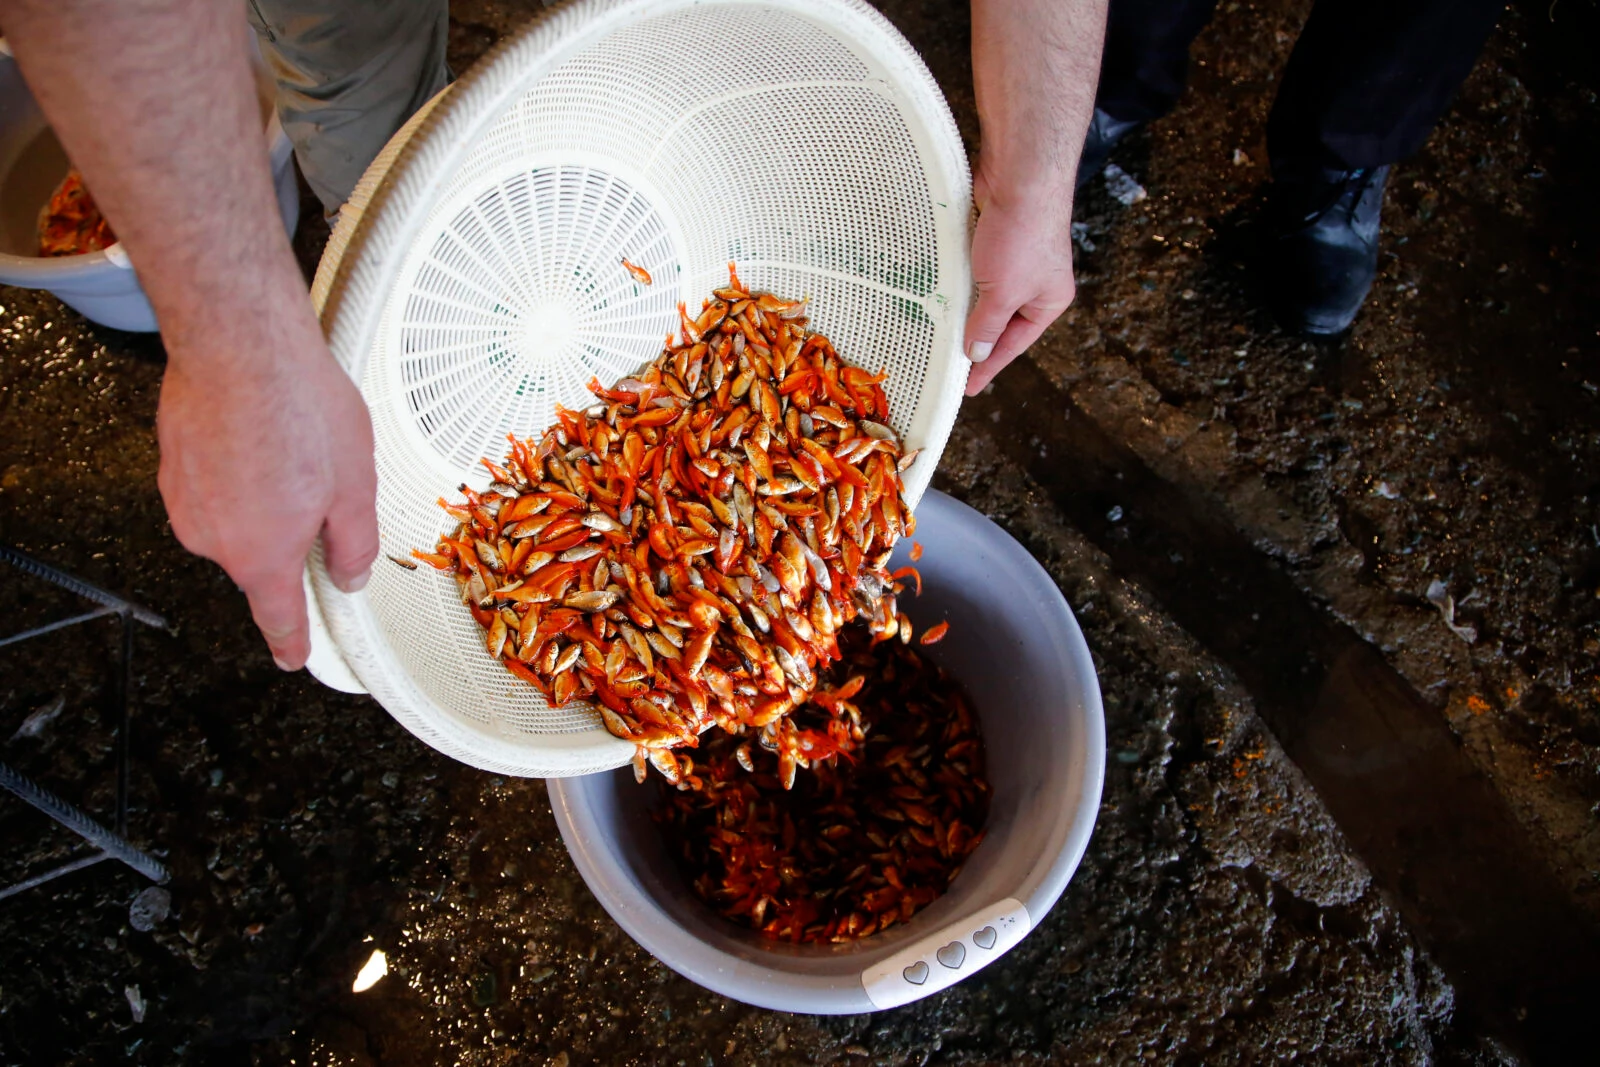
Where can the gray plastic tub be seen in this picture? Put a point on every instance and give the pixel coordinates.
(102, 286)
(1016, 647)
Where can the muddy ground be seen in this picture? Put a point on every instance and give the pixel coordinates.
(1335, 829)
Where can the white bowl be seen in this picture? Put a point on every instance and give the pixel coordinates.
(1015, 646)
(102, 286)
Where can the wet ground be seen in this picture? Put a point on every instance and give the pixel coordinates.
(1335, 827)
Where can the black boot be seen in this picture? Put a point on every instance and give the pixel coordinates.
(1104, 133)
(1321, 249)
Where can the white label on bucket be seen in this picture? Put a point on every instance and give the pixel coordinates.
(942, 959)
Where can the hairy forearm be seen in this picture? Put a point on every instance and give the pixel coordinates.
(266, 444)
(1035, 65)
(155, 102)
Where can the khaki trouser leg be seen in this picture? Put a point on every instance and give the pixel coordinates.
(349, 74)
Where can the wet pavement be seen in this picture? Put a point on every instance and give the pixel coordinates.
(1335, 827)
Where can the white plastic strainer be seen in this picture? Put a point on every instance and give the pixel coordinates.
(474, 281)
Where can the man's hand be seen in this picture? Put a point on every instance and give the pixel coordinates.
(1034, 68)
(259, 456)
(265, 443)
(1022, 263)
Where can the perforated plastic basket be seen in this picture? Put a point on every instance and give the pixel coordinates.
(474, 281)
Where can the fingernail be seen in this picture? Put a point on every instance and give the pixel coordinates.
(282, 666)
(978, 351)
(358, 583)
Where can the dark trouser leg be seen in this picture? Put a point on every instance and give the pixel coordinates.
(1368, 80)
(1146, 59)
(1366, 83)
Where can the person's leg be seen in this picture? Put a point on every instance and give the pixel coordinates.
(349, 74)
(1365, 85)
(1368, 79)
(1146, 60)
(1142, 70)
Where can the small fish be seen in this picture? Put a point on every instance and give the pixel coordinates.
(536, 560)
(497, 636)
(596, 600)
(640, 275)
(662, 646)
(696, 649)
(878, 431)
(615, 723)
(615, 660)
(795, 668)
(781, 486)
(768, 302)
(641, 647)
(568, 657)
(489, 557)
(599, 520)
(667, 764)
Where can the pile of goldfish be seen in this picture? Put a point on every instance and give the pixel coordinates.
(869, 838)
(684, 552)
(70, 224)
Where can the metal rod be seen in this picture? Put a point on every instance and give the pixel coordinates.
(81, 824)
(121, 689)
(24, 562)
(53, 873)
(59, 624)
